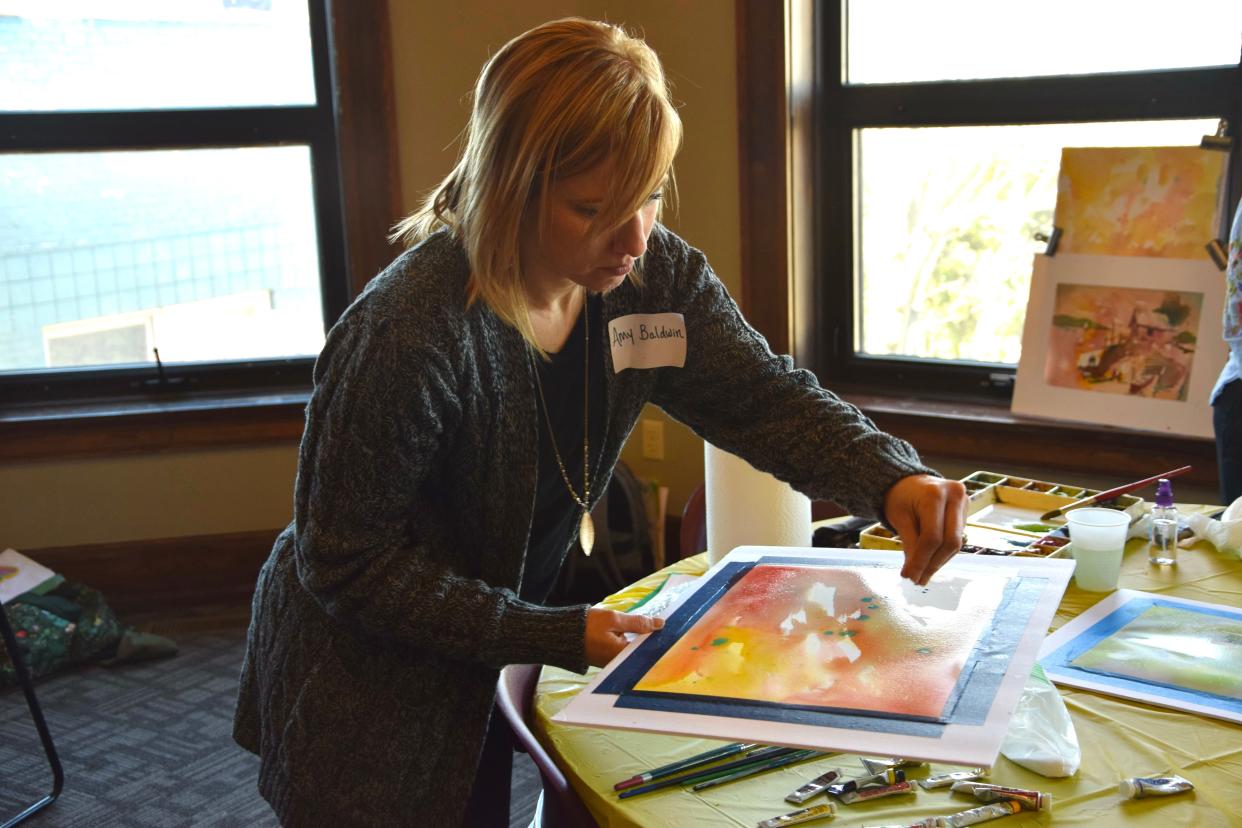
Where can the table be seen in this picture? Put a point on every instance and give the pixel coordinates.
(1118, 739)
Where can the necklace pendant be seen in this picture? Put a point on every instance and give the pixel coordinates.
(586, 533)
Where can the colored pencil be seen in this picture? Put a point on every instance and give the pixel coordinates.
(762, 767)
(685, 764)
(703, 774)
(1111, 493)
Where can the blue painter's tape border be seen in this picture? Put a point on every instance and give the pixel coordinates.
(968, 703)
(1060, 660)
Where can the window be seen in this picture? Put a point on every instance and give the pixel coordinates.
(938, 143)
(171, 216)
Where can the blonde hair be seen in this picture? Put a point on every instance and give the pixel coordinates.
(553, 102)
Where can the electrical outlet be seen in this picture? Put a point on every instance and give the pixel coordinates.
(653, 440)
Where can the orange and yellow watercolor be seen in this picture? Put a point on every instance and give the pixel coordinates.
(846, 638)
(1139, 201)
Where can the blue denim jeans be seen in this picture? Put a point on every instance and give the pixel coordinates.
(1227, 421)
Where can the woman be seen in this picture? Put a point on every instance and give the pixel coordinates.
(469, 408)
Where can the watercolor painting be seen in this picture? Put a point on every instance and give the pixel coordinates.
(1156, 649)
(1174, 647)
(846, 639)
(1139, 201)
(1127, 341)
(832, 650)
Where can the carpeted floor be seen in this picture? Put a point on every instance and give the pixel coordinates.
(149, 744)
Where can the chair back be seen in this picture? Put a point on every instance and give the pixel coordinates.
(693, 538)
(515, 696)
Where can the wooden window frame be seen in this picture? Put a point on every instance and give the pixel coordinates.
(357, 199)
(782, 241)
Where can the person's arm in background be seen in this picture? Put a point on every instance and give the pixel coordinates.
(739, 396)
(1226, 396)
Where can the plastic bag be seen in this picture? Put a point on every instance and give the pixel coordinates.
(72, 625)
(1041, 736)
(1225, 534)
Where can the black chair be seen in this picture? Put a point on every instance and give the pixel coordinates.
(36, 713)
(559, 805)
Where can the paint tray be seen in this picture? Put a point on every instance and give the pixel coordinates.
(1004, 513)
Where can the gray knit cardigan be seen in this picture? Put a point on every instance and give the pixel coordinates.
(388, 606)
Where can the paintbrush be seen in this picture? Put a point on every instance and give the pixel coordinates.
(758, 767)
(1111, 493)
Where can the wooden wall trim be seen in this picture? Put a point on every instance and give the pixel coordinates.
(167, 573)
(366, 133)
(993, 438)
(763, 168)
(121, 432)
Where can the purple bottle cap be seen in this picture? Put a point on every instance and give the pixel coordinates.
(1164, 492)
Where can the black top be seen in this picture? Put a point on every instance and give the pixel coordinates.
(556, 514)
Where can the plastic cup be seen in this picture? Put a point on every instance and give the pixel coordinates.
(1098, 538)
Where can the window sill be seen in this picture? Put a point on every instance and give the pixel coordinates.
(143, 426)
(992, 436)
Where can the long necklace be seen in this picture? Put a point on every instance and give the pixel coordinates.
(586, 527)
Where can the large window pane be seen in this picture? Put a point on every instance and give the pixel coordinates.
(895, 41)
(153, 54)
(207, 255)
(946, 226)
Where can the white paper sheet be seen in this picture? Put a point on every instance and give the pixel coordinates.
(19, 574)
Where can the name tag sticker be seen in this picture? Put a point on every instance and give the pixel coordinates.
(648, 340)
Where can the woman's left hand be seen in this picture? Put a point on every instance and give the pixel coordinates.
(929, 513)
(606, 633)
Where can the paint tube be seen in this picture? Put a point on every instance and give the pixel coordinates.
(869, 793)
(1141, 786)
(1028, 800)
(888, 777)
(944, 780)
(815, 786)
(930, 822)
(798, 817)
(880, 765)
(983, 813)
(969, 787)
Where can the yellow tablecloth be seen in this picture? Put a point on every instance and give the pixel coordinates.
(1118, 739)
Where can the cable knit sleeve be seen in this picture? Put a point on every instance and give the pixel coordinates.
(738, 395)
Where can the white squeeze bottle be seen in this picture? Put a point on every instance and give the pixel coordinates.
(1163, 546)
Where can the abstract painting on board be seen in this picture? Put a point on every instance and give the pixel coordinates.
(1139, 201)
(1117, 340)
(1160, 650)
(833, 650)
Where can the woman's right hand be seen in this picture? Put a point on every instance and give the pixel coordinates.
(606, 629)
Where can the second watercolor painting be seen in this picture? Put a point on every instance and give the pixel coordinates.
(1118, 340)
(1123, 341)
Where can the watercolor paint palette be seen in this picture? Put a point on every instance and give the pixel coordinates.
(1004, 516)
